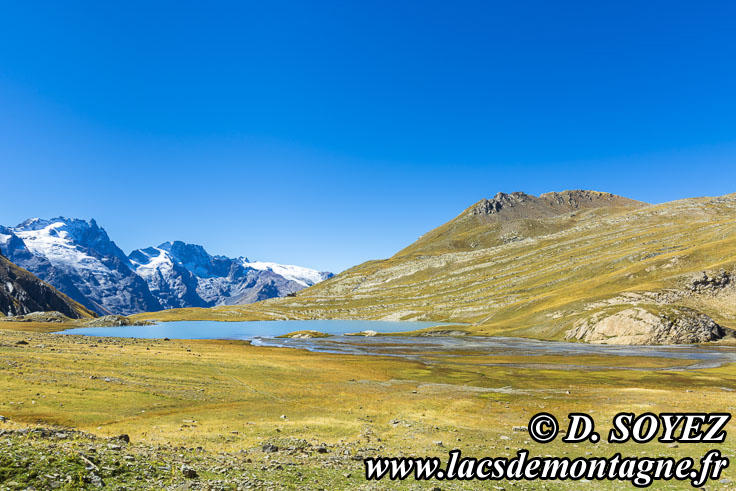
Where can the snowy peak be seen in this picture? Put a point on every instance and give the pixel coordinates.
(304, 276)
(75, 228)
(196, 260)
(78, 258)
(63, 233)
(64, 242)
(186, 275)
(145, 256)
(167, 279)
(150, 260)
(9, 241)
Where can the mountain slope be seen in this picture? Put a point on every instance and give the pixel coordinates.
(548, 267)
(512, 217)
(22, 293)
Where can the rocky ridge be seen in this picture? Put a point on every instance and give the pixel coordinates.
(522, 205)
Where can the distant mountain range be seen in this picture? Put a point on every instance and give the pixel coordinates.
(79, 259)
(185, 275)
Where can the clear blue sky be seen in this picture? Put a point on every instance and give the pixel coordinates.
(326, 134)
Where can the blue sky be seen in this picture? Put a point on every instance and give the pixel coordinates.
(328, 133)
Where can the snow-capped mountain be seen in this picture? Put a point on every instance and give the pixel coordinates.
(185, 275)
(79, 259)
(303, 276)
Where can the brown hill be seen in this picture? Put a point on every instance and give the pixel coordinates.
(579, 265)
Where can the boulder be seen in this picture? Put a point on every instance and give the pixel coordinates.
(640, 326)
(269, 448)
(188, 472)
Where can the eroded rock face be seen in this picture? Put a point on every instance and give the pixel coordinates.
(500, 201)
(638, 326)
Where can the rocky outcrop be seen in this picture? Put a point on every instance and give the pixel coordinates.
(710, 282)
(581, 198)
(522, 205)
(640, 326)
(115, 321)
(501, 201)
(52, 316)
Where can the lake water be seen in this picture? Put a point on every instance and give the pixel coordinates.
(447, 349)
(246, 330)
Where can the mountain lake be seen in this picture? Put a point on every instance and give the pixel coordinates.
(427, 349)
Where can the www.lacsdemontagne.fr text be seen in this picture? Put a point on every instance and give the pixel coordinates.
(639, 471)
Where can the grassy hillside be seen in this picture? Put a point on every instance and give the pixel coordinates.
(537, 267)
